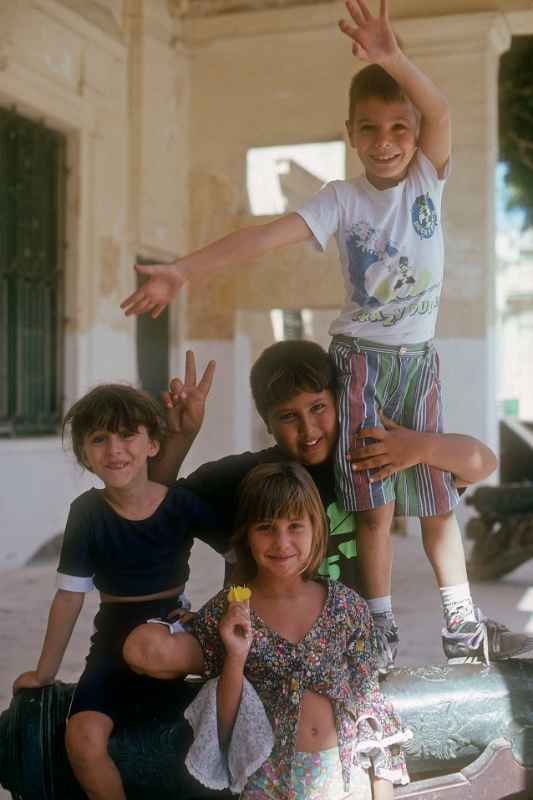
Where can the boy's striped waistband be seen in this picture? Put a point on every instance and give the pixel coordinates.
(356, 344)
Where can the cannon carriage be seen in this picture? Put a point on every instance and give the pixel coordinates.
(502, 531)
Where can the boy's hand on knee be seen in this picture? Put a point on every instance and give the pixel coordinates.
(394, 449)
(29, 680)
(373, 39)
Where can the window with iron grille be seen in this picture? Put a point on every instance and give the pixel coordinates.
(32, 181)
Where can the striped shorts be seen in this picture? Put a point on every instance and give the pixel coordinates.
(402, 381)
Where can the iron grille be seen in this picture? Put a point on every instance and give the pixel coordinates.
(32, 182)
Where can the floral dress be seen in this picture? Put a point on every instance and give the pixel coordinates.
(335, 659)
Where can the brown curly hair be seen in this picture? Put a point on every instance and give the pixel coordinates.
(112, 407)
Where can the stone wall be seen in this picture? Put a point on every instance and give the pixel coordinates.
(113, 77)
(160, 101)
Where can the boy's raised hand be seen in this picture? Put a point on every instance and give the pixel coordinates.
(160, 288)
(185, 402)
(373, 39)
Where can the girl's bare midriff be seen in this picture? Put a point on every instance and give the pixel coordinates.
(111, 598)
(316, 727)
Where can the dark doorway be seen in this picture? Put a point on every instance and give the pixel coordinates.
(152, 346)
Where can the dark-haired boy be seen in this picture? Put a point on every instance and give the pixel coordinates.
(293, 385)
(387, 226)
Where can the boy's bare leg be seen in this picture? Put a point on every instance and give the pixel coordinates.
(374, 554)
(86, 742)
(443, 544)
(152, 650)
(374, 550)
(467, 635)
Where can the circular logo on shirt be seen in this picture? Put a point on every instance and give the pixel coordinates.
(424, 216)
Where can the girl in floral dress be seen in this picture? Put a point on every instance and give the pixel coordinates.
(295, 711)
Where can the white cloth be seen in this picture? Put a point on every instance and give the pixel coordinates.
(391, 251)
(370, 746)
(251, 741)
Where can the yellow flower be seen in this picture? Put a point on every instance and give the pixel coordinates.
(237, 594)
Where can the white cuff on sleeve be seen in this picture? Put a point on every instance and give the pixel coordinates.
(71, 583)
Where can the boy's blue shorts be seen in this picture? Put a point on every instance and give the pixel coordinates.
(107, 684)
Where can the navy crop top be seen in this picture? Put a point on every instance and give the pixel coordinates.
(127, 557)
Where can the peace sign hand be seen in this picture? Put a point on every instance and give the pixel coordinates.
(373, 38)
(185, 402)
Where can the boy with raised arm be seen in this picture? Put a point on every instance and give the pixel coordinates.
(387, 226)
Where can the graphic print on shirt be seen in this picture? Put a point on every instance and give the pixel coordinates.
(380, 275)
(424, 216)
(336, 564)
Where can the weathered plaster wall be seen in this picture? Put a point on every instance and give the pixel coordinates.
(112, 78)
(160, 100)
(405, 8)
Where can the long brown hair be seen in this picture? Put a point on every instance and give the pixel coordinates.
(271, 491)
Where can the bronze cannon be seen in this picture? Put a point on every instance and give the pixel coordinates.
(472, 726)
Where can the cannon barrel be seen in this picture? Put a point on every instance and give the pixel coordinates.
(510, 498)
(455, 712)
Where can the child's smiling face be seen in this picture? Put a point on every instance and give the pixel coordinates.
(384, 133)
(281, 547)
(305, 427)
(119, 458)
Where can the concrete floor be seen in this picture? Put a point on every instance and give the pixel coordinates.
(25, 596)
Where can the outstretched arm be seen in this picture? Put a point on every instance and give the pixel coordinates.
(185, 405)
(236, 248)
(373, 40)
(64, 612)
(396, 448)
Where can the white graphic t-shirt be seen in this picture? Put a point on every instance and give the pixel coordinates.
(391, 251)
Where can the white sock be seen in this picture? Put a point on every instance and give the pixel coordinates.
(457, 605)
(380, 605)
